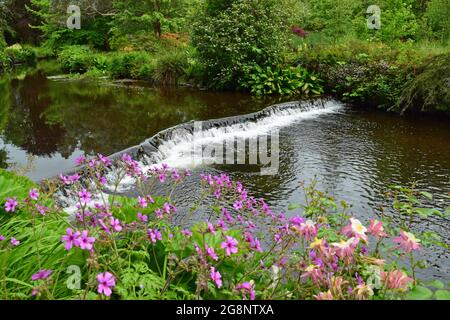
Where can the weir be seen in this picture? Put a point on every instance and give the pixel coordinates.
(172, 146)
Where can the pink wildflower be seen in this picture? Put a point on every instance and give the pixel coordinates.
(106, 282)
(11, 204)
(248, 288)
(41, 275)
(33, 194)
(154, 235)
(216, 277)
(230, 245)
(15, 242)
(70, 238)
(115, 224)
(84, 241)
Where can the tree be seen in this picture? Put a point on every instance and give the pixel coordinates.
(149, 15)
(231, 40)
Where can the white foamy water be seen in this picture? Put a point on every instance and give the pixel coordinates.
(177, 151)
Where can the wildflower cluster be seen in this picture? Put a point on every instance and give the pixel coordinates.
(131, 248)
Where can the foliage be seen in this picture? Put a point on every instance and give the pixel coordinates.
(157, 16)
(52, 16)
(230, 41)
(429, 91)
(281, 81)
(18, 54)
(437, 16)
(76, 59)
(364, 73)
(131, 65)
(14, 184)
(333, 18)
(130, 248)
(170, 67)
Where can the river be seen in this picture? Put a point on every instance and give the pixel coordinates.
(354, 153)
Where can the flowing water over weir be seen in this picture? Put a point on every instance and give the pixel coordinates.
(175, 145)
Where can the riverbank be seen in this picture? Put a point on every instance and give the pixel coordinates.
(406, 78)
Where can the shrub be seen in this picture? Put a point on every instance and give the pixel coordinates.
(76, 59)
(170, 67)
(429, 90)
(18, 54)
(231, 40)
(281, 81)
(437, 16)
(131, 65)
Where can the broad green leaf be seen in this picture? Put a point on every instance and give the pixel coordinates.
(293, 206)
(442, 294)
(419, 293)
(436, 284)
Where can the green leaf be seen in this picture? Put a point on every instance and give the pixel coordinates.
(436, 284)
(293, 206)
(427, 195)
(442, 295)
(419, 293)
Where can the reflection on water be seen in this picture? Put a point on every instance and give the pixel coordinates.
(55, 121)
(354, 153)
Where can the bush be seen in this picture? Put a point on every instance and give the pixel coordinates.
(429, 90)
(372, 74)
(76, 59)
(437, 16)
(281, 81)
(131, 65)
(170, 67)
(18, 54)
(230, 41)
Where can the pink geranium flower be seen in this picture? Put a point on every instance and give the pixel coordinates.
(230, 245)
(142, 202)
(41, 275)
(248, 288)
(106, 282)
(211, 228)
(115, 224)
(33, 194)
(187, 233)
(407, 241)
(84, 241)
(211, 253)
(15, 242)
(154, 235)
(216, 277)
(80, 160)
(11, 204)
(85, 196)
(70, 238)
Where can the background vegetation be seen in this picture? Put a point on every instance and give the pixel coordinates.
(287, 47)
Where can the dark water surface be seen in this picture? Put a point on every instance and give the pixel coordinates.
(355, 154)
